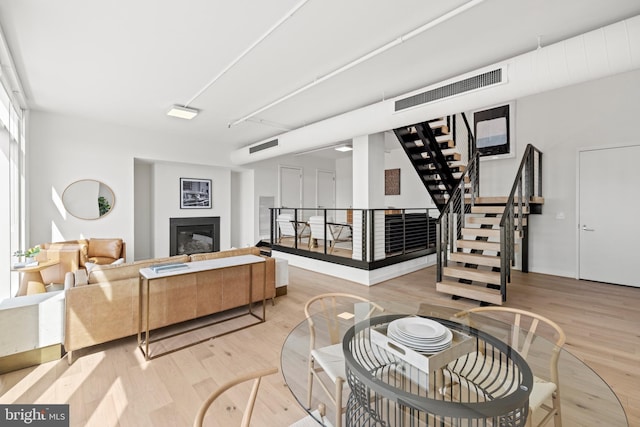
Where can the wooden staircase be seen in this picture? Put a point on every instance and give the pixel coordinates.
(434, 155)
(475, 253)
(473, 267)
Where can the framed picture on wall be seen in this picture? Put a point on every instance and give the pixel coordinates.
(195, 193)
(493, 129)
(392, 182)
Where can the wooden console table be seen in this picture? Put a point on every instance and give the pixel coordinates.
(148, 276)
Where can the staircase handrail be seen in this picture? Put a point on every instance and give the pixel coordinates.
(528, 159)
(507, 225)
(445, 220)
(471, 166)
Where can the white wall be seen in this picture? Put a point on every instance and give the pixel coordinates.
(266, 179)
(344, 186)
(244, 211)
(143, 206)
(413, 193)
(599, 113)
(64, 149)
(166, 200)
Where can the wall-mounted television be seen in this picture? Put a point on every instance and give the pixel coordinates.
(493, 128)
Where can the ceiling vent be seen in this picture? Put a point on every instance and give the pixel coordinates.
(263, 146)
(489, 78)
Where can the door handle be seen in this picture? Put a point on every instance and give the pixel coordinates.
(584, 228)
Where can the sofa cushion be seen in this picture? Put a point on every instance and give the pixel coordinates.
(107, 273)
(104, 250)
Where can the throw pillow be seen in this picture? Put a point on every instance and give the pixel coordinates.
(89, 265)
(118, 261)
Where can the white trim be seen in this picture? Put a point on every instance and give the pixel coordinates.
(363, 277)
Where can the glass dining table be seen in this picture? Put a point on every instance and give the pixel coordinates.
(397, 391)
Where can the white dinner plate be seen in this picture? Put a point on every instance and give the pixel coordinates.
(423, 347)
(418, 329)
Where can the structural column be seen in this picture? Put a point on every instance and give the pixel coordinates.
(368, 193)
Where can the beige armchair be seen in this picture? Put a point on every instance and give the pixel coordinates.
(103, 251)
(74, 254)
(66, 253)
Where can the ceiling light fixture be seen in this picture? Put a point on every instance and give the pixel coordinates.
(344, 148)
(437, 21)
(181, 112)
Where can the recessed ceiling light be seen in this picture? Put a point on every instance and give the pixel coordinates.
(344, 148)
(182, 112)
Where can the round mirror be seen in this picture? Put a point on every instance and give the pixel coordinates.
(88, 199)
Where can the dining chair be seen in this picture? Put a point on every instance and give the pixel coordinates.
(256, 376)
(326, 363)
(526, 327)
(289, 228)
(324, 232)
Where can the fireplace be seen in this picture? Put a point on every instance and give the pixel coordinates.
(194, 235)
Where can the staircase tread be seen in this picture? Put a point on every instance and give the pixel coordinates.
(474, 274)
(480, 288)
(479, 244)
(463, 269)
(502, 200)
(488, 220)
(494, 209)
(483, 232)
(478, 293)
(478, 259)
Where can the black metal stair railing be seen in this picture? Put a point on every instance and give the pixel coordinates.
(526, 186)
(452, 216)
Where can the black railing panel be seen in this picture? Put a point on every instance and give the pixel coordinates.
(394, 232)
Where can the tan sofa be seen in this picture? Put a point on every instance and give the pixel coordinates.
(106, 307)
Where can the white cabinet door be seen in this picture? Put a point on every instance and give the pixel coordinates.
(608, 212)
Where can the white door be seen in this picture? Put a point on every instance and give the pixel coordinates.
(608, 220)
(325, 191)
(290, 188)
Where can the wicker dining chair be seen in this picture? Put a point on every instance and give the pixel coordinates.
(328, 361)
(256, 376)
(526, 326)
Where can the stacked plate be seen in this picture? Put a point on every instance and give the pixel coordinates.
(420, 334)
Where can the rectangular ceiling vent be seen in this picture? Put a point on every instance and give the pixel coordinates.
(263, 146)
(476, 82)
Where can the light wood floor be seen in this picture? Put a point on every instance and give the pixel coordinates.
(112, 385)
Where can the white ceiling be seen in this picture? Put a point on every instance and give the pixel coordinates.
(127, 62)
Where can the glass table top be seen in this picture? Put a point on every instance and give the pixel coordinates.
(586, 399)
